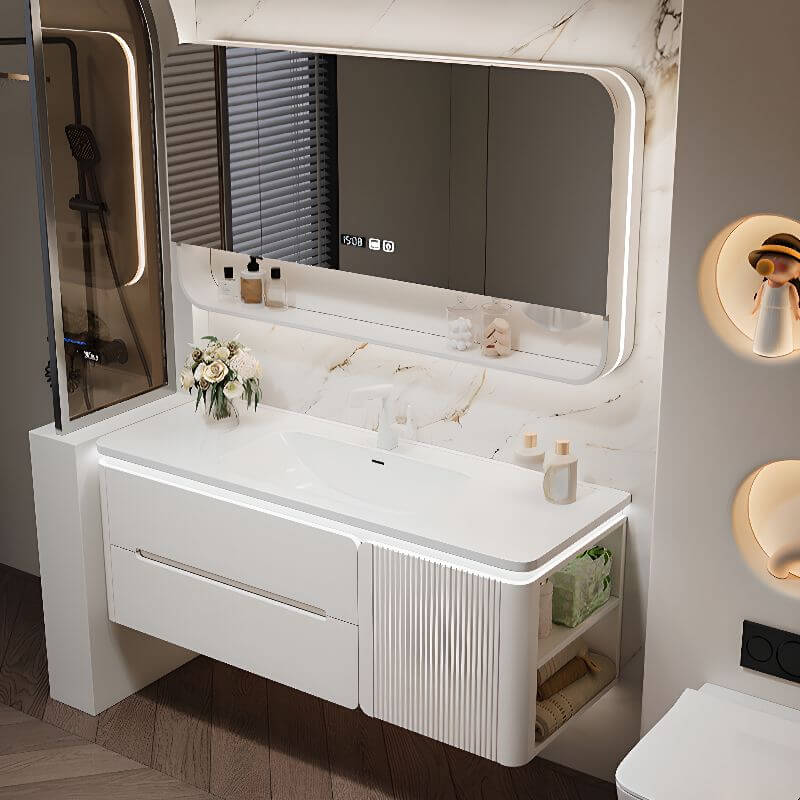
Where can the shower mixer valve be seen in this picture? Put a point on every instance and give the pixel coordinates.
(97, 351)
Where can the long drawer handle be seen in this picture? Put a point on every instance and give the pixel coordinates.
(242, 587)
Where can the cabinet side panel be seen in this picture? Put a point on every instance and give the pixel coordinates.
(517, 657)
(435, 641)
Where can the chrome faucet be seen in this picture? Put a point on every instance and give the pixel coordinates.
(388, 435)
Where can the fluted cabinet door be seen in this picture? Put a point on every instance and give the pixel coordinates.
(435, 649)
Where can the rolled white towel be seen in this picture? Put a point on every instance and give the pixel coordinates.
(552, 713)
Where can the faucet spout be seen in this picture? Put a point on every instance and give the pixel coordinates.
(388, 438)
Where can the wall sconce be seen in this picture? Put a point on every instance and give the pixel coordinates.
(766, 511)
(774, 510)
(733, 273)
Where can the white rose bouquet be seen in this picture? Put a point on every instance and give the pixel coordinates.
(222, 372)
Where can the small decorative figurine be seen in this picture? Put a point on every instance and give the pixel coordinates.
(777, 300)
(459, 333)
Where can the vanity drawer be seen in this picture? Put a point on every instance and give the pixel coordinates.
(249, 542)
(308, 651)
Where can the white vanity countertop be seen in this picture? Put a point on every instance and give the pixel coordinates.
(487, 511)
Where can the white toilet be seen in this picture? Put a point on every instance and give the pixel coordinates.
(716, 744)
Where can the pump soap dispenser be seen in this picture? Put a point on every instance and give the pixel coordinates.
(252, 282)
(561, 475)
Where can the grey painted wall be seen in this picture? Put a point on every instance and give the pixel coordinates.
(723, 414)
(26, 398)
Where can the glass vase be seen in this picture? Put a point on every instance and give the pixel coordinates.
(496, 329)
(461, 328)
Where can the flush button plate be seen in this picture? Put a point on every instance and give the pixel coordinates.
(771, 651)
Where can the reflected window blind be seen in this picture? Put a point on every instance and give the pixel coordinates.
(283, 152)
(190, 101)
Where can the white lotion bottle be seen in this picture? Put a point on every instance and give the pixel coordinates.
(528, 453)
(561, 475)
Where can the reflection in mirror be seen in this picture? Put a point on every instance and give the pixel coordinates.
(101, 134)
(489, 180)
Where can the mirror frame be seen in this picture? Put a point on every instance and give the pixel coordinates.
(417, 311)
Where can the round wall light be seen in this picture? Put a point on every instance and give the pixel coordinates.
(774, 510)
(729, 283)
(766, 524)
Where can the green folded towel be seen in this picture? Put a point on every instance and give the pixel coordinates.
(581, 586)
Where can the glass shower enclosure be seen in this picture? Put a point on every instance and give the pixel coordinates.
(100, 206)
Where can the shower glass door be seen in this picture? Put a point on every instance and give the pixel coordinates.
(101, 181)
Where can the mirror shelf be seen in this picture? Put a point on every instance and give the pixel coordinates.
(410, 317)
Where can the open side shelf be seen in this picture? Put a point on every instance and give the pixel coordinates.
(601, 631)
(596, 699)
(562, 636)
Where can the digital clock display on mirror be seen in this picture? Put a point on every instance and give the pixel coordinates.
(372, 242)
(353, 240)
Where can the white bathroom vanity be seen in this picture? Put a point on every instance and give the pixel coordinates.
(403, 582)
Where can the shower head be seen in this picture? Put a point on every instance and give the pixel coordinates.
(85, 149)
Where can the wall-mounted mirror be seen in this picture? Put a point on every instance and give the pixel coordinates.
(495, 179)
(483, 179)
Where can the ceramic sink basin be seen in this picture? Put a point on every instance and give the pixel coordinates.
(304, 462)
(478, 508)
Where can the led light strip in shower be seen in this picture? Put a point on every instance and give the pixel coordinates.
(136, 146)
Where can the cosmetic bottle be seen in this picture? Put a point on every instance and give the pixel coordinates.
(528, 454)
(252, 282)
(561, 475)
(275, 290)
(227, 288)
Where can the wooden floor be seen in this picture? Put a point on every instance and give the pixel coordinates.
(42, 761)
(211, 728)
